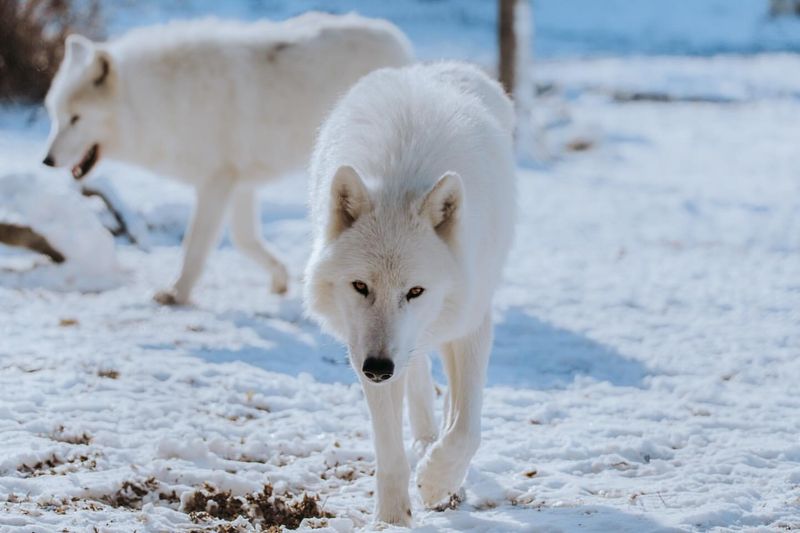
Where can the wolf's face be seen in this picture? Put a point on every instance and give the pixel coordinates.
(80, 107)
(386, 271)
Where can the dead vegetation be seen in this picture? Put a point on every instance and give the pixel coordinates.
(452, 503)
(131, 493)
(40, 468)
(108, 373)
(349, 472)
(210, 507)
(264, 509)
(62, 435)
(32, 34)
(55, 465)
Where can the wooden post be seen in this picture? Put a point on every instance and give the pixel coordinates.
(507, 44)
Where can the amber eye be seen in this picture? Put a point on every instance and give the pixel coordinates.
(361, 288)
(415, 292)
(74, 119)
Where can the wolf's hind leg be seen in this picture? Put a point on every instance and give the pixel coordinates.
(420, 390)
(203, 234)
(442, 471)
(246, 236)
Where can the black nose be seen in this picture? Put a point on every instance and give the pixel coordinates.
(49, 161)
(378, 369)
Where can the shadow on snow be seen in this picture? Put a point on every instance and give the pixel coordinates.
(585, 518)
(534, 354)
(527, 353)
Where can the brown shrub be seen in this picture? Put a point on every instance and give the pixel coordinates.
(32, 34)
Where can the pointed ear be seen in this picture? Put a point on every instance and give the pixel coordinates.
(78, 49)
(442, 205)
(349, 200)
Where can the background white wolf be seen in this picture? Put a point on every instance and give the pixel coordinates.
(219, 105)
(413, 209)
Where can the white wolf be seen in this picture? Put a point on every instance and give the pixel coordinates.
(219, 105)
(413, 204)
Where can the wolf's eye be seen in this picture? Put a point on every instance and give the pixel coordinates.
(74, 119)
(361, 288)
(415, 292)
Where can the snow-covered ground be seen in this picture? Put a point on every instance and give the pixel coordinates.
(646, 360)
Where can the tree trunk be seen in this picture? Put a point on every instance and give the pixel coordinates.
(507, 42)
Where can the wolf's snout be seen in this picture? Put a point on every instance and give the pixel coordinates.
(378, 369)
(49, 161)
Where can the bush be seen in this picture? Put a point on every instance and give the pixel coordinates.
(32, 34)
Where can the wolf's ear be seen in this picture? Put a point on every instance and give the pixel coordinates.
(442, 205)
(349, 200)
(101, 68)
(78, 49)
(82, 53)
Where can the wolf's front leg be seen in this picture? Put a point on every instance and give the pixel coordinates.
(442, 471)
(204, 230)
(385, 403)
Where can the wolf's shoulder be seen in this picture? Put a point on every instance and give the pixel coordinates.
(430, 90)
(470, 80)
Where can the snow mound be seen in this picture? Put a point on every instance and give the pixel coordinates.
(65, 218)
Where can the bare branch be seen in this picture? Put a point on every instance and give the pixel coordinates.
(25, 237)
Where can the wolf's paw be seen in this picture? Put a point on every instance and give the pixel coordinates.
(280, 281)
(168, 297)
(393, 504)
(438, 479)
(398, 516)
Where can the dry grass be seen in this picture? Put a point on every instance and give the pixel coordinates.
(131, 493)
(32, 34)
(108, 373)
(265, 509)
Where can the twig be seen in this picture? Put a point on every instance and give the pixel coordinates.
(122, 226)
(25, 237)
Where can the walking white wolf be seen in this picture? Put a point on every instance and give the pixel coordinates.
(413, 203)
(219, 105)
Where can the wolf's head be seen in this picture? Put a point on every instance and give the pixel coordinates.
(80, 106)
(386, 269)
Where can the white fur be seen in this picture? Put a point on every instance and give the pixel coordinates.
(413, 186)
(219, 105)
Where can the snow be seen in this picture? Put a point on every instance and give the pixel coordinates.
(60, 215)
(695, 27)
(645, 366)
